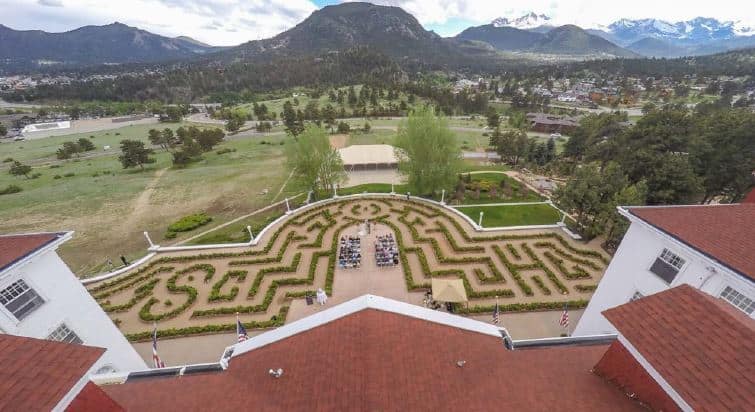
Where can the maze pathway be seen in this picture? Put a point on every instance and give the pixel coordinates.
(195, 293)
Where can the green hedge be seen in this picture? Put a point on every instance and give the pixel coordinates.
(215, 295)
(275, 321)
(139, 293)
(552, 276)
(110, 292)
(207, 268)
(585, 288)
(541, 285)
(147, 316)
(526, 307)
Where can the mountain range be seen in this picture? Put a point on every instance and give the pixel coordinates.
(655, 37)
(659, 38)
(564, 40)
(112, 43)
(387, 30)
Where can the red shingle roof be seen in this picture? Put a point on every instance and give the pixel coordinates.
(15, 247)
(92, 399)
(377, 361)
(723, 232)
(36, 374)
(702, 346)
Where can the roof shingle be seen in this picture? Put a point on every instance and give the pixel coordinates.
(15, 247)
(37, 373)
(378, 360)
(726, 233)
(702, 346)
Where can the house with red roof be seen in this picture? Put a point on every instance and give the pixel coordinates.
(710, 247)
(41, 298)
(677, 350)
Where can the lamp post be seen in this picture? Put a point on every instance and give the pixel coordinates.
(393, 192)
(479, 223)
(335, 192)
(288, 207)
(151, 245)
(251, 235)
(443, 197)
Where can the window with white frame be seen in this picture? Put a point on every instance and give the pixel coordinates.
(738, 299)
(667, 265)
(672, 259)
(64, 334)
(20, 300)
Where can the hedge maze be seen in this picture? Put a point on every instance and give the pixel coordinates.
(195, 293)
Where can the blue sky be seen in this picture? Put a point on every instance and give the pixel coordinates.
(231, 22)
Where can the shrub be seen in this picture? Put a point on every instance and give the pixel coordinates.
(168, 302)
(585, 288)
(8, 160)
(56, 177)
(226, 150)
(10, 189)
(69, 174)
(54, 166)
(187, 223)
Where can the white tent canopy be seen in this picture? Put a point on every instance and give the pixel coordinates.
(449, 290)
(370, 156)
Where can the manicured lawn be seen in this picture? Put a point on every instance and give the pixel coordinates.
(515, 215)
(237, 232)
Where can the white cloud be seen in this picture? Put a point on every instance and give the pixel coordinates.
(217, 22)
(230, 22)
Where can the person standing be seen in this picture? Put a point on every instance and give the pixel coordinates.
(322, 297)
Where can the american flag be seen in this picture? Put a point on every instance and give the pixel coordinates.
(241, 331)
(564, 322)
(497, 314)
(155, 357)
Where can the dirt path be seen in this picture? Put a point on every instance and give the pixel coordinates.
(141, 203)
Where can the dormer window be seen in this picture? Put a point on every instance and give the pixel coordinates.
(667, 265)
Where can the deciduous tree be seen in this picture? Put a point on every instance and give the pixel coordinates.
(428, 153)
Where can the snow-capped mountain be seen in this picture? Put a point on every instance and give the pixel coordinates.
(695, 31)
(526, 22)
(660, 38)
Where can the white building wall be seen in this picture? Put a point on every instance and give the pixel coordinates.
(629, 272)
(67, 301)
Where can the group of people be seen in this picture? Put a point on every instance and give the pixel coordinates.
(386, 252)
(350, 255)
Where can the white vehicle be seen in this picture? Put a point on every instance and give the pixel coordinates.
(555, 135)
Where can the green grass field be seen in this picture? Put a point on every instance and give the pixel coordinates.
(110, 207)
(513, 215)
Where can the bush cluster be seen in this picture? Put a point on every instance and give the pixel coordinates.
(187, 223)
(10, 189)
